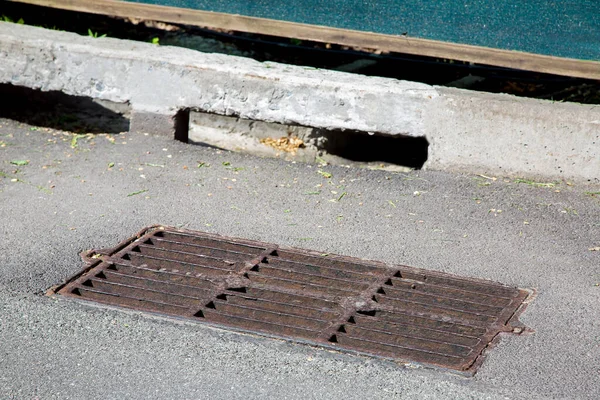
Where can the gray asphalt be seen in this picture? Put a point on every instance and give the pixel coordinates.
(66, 200)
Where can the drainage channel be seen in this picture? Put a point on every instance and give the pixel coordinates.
(366, 307)
(302, 143)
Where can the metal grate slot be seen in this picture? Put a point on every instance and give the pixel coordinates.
(273, 328)
(167, 276)
(206, 252)
(423, 308)
(269, 317)
(207, 242)
(281, 306)
(323, 271)
(437, 300)
(173, 264)
(463, 284)
(151, 284)
(397, 351)
(299, 285)
(161, 296)
(439, 322)
(458, 294)
(312, 278)
(446, 331)
(338, 302)
(418, 331)
(186, 254)
(127, 301)
(399, 338)
(293, 300)
(331, 261)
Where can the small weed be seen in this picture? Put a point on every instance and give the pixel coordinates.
(9, 19)
(75, 139)
(111, 164)
(321, 161)
(95, 34)
(313, 193)
(20, 162)
(296, 42)
(324, 174)
(569, 210)
(536, 184)
(482, 181)
(155, 41)
(592, 193)
(226, 164)
(138, 192)
(43, 189)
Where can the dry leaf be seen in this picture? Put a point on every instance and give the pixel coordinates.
(288, 144)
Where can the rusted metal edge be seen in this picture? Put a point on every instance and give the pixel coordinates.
(514, 327)
(348, 259)
(507, 322)
(89, 258)
(56, 288)
(326, 346)
(112, 251)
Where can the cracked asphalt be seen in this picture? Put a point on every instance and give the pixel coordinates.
(61, 194)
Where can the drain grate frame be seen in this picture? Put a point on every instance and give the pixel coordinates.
(396, 312)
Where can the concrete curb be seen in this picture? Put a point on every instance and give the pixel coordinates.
(468, 131)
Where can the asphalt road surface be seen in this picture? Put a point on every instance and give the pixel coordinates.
(61, 194)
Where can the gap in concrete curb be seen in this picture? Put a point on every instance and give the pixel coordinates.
(468, 131)
(340, 147)
(80, 114)
(360, 146)
(58, 110)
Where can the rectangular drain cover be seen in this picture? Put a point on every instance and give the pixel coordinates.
(397, 312)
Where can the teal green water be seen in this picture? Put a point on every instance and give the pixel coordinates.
(558, 28)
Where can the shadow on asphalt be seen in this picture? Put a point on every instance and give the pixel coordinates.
(61, 111)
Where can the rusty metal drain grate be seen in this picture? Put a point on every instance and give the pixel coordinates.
(397, 312)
